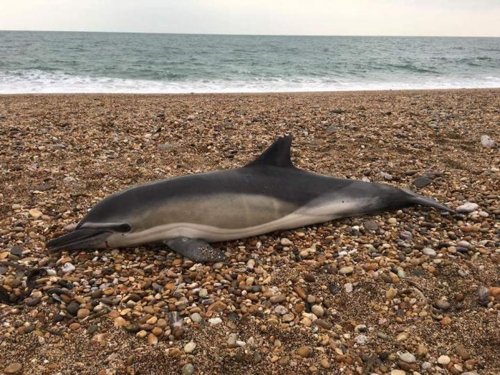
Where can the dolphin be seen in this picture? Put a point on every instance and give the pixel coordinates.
(187, 213)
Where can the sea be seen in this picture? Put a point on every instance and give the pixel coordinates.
(91, 62)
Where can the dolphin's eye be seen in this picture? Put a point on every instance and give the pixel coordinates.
(123, 228)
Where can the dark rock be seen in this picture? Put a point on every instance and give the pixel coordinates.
(17, 251)
(421, 182)
(73, 307)
(370, 225)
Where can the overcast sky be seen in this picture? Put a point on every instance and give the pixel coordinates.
(296, 17)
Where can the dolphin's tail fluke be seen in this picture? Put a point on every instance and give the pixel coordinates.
(429, 202)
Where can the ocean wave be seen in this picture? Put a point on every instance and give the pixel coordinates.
(37, 81)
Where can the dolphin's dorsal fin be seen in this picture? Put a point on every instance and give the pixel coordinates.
(276, 155)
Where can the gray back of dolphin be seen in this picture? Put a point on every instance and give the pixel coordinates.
(268, 194)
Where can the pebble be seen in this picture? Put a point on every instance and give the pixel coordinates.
(444, 360)
(203, 293)
(392, 221)
(421, 182)
(187, 369)
(487, 142)
(286, 242)
(35, 213)
(13, 368)
(348, 288)
(443, 304)
(304, 351)
(429, 252)
(318, 310)
(231, 340)
(467, 208)
(407, 357)
(83, 313)
(361, 339)
(370, 225)
(17, 251)
(398, 372)
(391, 293)
(68, 267)
(152, 339)
(346, 270)
(190, 347)
(196, 318)
(73, 307)
(386, 176)
(214, 321)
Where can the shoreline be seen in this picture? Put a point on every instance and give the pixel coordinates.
(366, 91)
(403, 291)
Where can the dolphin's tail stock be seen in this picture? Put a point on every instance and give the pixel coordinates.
(429, 202)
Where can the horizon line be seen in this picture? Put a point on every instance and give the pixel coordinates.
(228, 34)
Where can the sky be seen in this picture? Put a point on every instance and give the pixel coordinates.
(273, 17)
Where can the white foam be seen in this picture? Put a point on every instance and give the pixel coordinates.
(36, 81)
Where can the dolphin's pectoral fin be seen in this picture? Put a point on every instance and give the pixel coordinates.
(198, 251)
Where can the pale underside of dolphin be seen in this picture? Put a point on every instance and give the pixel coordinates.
(269, 194)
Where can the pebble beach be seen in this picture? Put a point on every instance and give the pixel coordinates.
(413, 291)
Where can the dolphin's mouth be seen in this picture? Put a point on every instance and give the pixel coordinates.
(82, 238)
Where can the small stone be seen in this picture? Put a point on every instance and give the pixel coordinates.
(483, 294)
(422, 350)
(287, 318)
(398, 372)
(421, 182)
(462, 352)
(13, 368)
(361, 339)
(406, 235)
(442, 304)
(203, 293)
(214, 321)
(305, 351)
(278, 298)
(391, 293)
(152, 339)
(17, 251)
(487, 142)
(190, 347)
(386, 176)
(32, 301)
(231, 340)
(392, 221)
(188, 369)
(348, 288)
(67, 267)
(286, 242)
(407, 357)
(74, 326)
(196, 318)
(73, 307)
(370, 225)
(346, 270)
(467, 208)
(120, 322)
(402, 336)
(444, 360)
(35, 213)
(429, 252)
(325, 363)
(494, 291)
(318, 310)
(83, 313)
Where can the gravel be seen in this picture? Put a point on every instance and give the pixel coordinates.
(136, 310)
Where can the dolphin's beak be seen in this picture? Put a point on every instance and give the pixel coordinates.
(81, 238)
